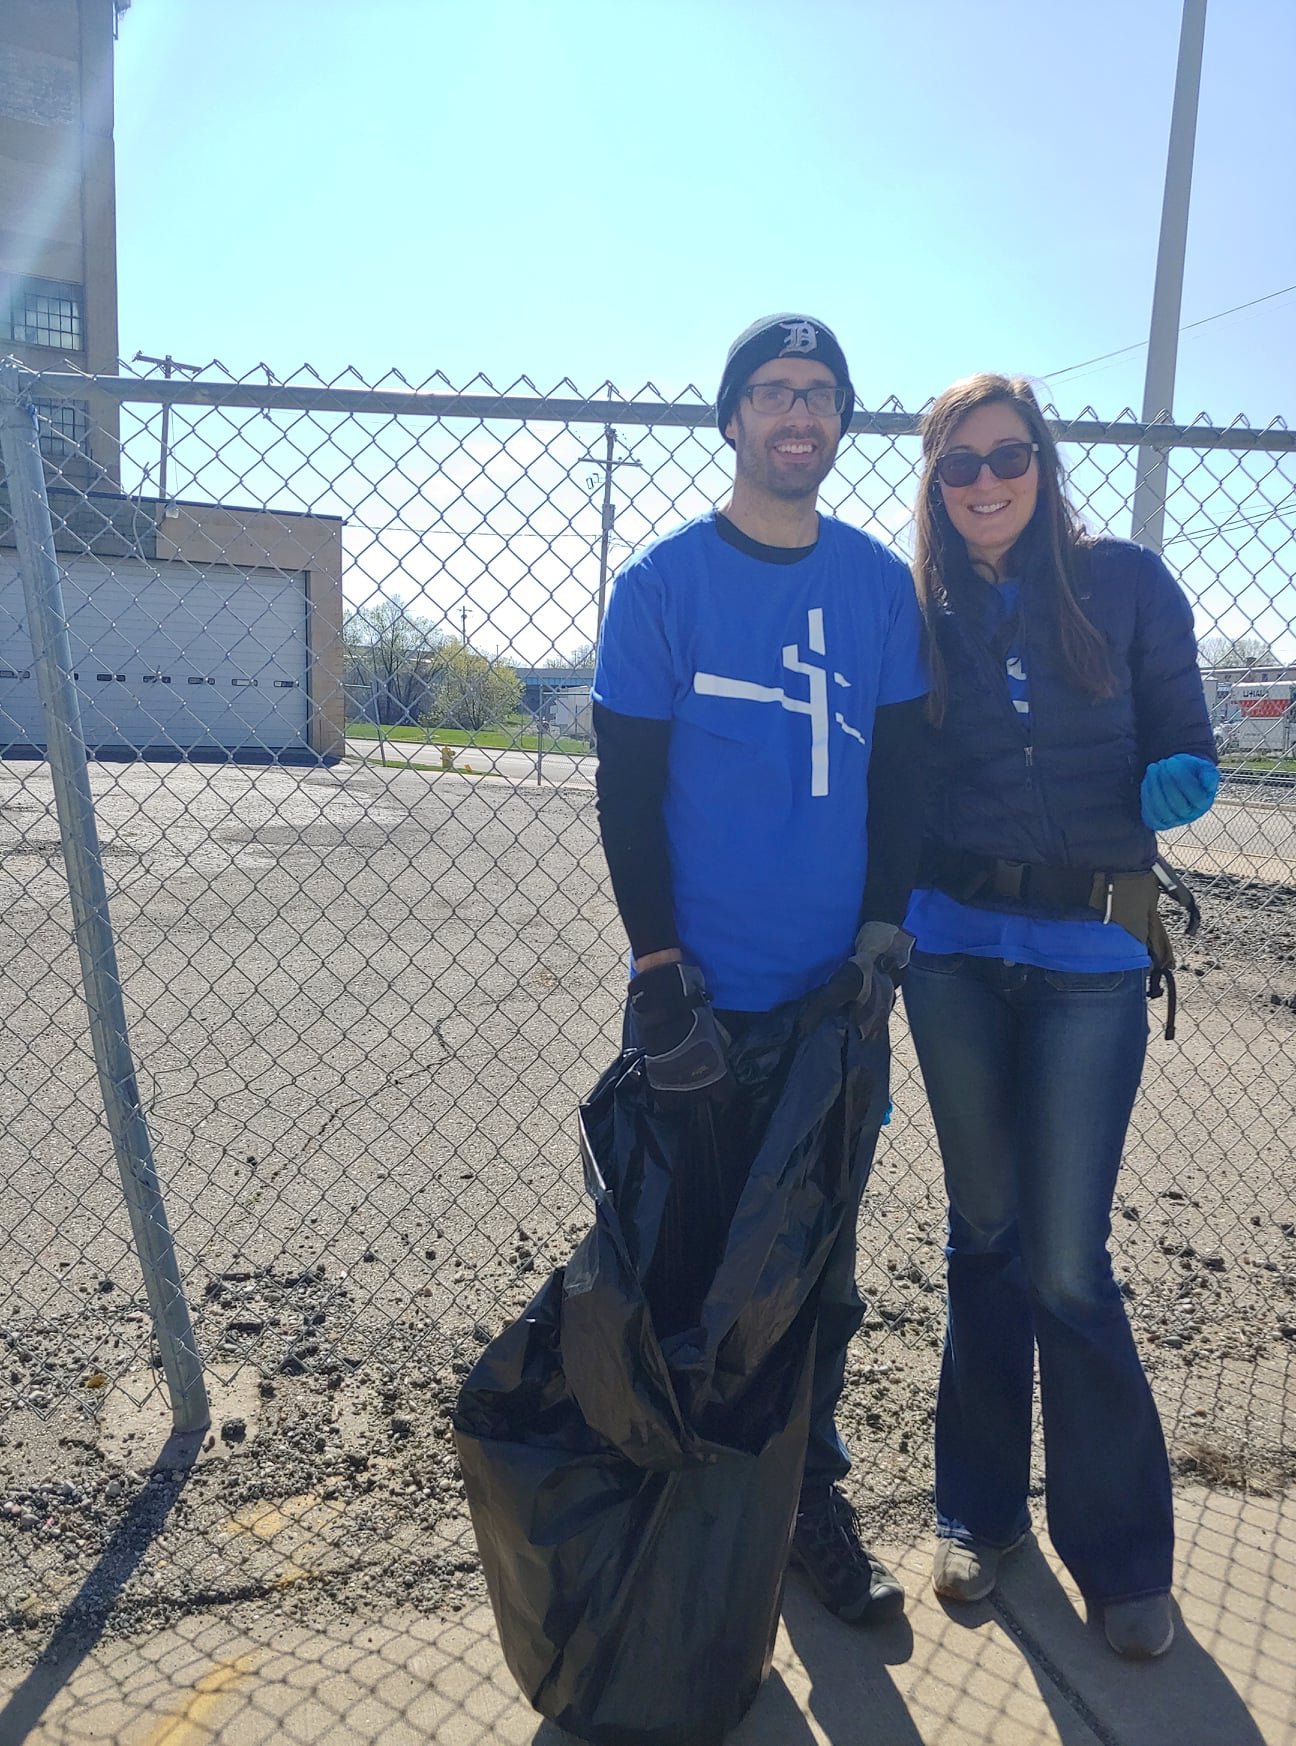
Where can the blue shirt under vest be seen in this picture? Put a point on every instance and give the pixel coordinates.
(770, 675)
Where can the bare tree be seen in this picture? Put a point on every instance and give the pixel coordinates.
(399, 657)
(582, 655)
(1235, 652)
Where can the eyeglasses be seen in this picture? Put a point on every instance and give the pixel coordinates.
(775, 397)
(1005, 461)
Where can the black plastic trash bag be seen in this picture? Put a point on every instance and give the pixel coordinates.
(632, 1447)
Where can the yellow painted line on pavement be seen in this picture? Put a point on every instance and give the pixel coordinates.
(195, 1722)
(305, 1552)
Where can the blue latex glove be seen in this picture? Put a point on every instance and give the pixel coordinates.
(1177, 790)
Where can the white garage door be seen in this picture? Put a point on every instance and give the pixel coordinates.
(170, 657)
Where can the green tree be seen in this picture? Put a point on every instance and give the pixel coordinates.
(473, 691)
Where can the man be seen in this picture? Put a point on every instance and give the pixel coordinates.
(759, 704)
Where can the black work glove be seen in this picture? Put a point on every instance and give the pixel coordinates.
(683, 1045)
(866, 982)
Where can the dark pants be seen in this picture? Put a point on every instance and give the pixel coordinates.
(841, 1308)
(1032, 1075)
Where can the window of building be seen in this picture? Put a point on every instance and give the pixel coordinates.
(62, 427)
(41, 312)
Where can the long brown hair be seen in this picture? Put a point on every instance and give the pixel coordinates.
(1048, 555)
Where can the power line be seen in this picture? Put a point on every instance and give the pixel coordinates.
(1256, 519)
(1121, 351)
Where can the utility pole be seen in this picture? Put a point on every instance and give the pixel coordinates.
(167, 366)
(609, 461)
(1153, 467)
(463, 626)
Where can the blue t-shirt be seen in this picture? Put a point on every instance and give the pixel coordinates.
(941, 924)
(769, 675)
(1006, 594)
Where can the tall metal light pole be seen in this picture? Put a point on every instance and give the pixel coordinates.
(168, 366)
(1152, 471)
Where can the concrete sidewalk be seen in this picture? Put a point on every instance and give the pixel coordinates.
(1021, 1671)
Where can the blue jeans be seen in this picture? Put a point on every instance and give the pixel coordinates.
(841, 1309)
(1031, 1075)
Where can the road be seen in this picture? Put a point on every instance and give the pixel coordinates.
(364, 1007)
(1250, 834)
(558, 769)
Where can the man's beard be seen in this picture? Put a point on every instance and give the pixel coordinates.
(759, 466)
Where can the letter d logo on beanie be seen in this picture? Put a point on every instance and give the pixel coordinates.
(801, 337)
(780, 336)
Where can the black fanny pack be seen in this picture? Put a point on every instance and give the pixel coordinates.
(1131, 900)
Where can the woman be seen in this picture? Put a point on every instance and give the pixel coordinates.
(1069, 726)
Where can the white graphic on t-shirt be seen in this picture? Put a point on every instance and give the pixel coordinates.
(815, 705)
(801, 337)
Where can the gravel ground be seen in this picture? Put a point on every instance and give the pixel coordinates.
(364, 1004)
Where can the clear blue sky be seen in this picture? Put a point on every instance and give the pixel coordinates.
(599, 190)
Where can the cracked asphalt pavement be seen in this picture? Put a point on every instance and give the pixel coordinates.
(364, 1003)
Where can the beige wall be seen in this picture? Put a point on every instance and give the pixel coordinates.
(57, 184)
(58, 221)
(203, 533)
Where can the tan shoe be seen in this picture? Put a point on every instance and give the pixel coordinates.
(1140, 1629)
(967, 1571)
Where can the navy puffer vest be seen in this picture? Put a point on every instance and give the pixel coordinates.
(1062, 789)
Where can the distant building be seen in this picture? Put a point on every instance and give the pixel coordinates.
(572, 713)
(543, 686)
(58, 240)
(197, 631)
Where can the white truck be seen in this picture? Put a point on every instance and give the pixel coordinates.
(1257, 717)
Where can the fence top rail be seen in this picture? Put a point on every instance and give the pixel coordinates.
(511, 408)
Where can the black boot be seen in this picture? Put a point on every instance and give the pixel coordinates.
(828, 1551)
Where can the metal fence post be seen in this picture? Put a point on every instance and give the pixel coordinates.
(1147, 519)
(87, 893)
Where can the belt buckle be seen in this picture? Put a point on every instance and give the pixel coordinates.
(1012, 880)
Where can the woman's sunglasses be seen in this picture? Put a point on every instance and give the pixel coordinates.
(1005, 461)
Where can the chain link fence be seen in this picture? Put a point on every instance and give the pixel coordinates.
(332, 647)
